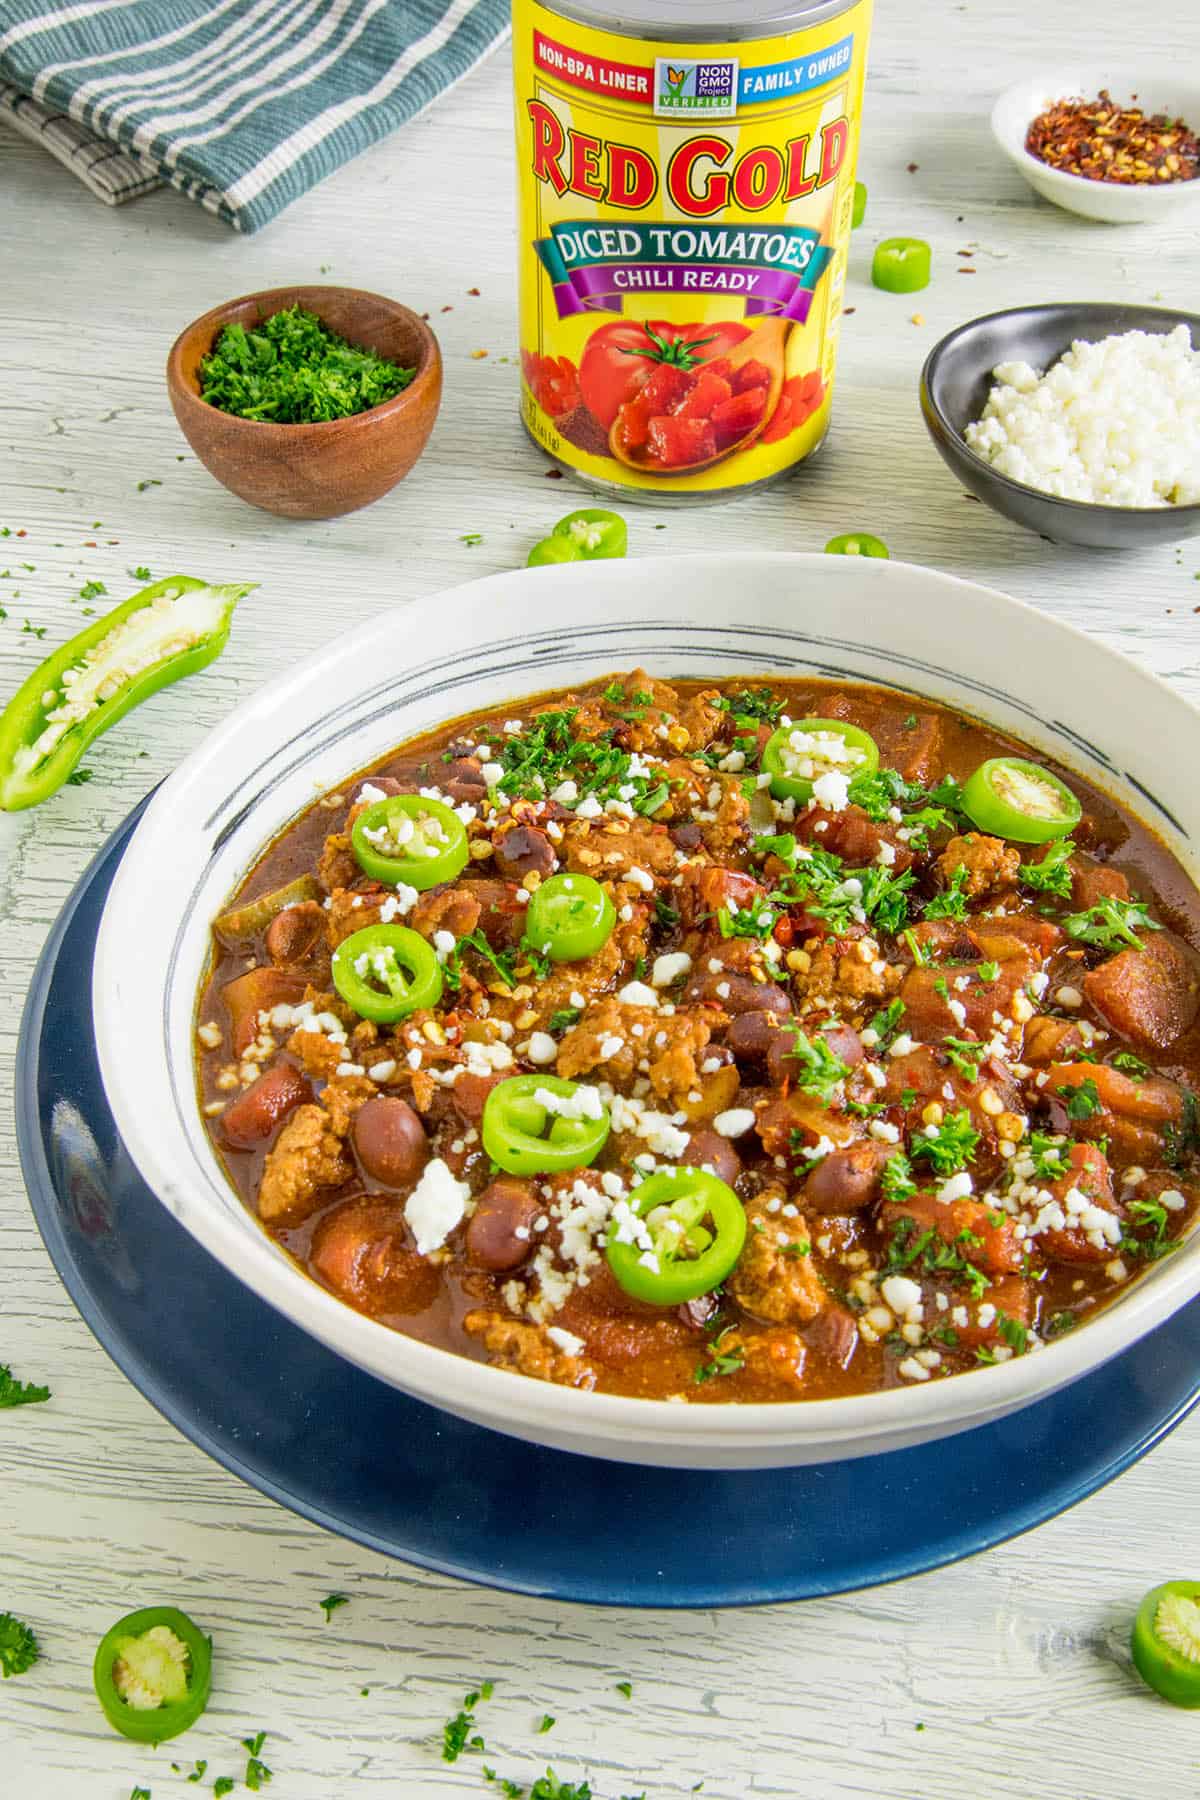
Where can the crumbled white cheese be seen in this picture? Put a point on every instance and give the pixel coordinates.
(736, 1121)
(541, 1048)
(670, 968)
(435, 1206)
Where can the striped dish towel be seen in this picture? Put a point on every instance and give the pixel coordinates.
(243, 105)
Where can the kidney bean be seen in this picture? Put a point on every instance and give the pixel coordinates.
(504, 1208)
(847, 1180)
(686, 836)
(833, 1334)
(752, 1037)
(463, 779)
(740, 994)
(523, 850)
(295, 933)
(709, 1150)
(257, 1114)
(390, 1140)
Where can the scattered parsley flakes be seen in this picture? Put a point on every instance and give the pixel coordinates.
(139, 1793)
(141, 573)
(947, 1147)
(19, 1393)
(92, 590)
(951, 903)
(624, 1687)
(224, 1784)
(18, 1646)
(1110, 924)
(1050, 875)
(331, 1603)
(471, 538)
(143, 485)
(1084, 1101)
(458, 1733)
(197, 1773)
(37, 631)
(547, 1723)
(80, 777)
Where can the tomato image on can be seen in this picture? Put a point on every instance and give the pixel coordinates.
(686, 188)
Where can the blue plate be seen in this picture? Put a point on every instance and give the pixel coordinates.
(301, 1425)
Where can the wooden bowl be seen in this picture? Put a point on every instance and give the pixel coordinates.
(313, 471)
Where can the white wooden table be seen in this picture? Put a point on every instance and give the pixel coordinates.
(1015, 1663)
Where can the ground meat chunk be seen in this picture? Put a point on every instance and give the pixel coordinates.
(320, 1055)
(769, 1283)
(337, 866)
(702, 719)
(608, 1025)
(591, 976)
(351, 911)
(527, 1349)
(775, 1356)
(342, 1099)
(728, 834)
(453, 909)
(1150, 995)
(611, 847)
(839, 970)
(991, 864)
(308, 1158)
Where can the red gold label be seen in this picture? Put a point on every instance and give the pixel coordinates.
(684, 217)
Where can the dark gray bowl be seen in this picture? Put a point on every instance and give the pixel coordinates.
(955, 383)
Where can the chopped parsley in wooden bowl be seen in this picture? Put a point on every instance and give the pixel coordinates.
(307, 401)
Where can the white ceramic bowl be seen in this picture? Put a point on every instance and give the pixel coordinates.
(1158, 90)
(487, 644)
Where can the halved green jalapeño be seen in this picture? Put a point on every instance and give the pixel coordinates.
(857, 543)
(685, 1235)
(569, 917)
(533, 1124)
(153, 1673)
(595, 532)
(1166, 1641)
(798, 754)
(385, 972)
(410, 839)
(1012, 798)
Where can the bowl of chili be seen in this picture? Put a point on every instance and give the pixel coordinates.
(938, 641)
(1119, 148)
(339, 447)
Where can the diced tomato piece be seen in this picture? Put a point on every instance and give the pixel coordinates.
(633, 422)
(809, 388)
(720, 365)
(676, 442)
(707, 391)
(740, 414)
(666, 387)
(553, 380)
(751, 374)
(781, 422)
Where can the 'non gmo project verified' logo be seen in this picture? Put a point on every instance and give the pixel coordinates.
(683, 88)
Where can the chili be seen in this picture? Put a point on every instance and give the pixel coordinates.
(1166, 1641)
(597, 533)
(153, 1674)
(1013, 798)
(536, 1123)
(902, 265)
(410, 840)
(569, 917)
(385, 972)
(161, 634)
(833, 747)
(679, 1236)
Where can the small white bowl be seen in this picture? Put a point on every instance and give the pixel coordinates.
(1111, 202)
(487, 644)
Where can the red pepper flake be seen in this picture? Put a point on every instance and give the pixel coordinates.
(22, 534)
(913, 167)
(472, 290)
(88, 543)
(964, 270)
(447, 309)
(847, 310)
(1105, 142)
(557, 475)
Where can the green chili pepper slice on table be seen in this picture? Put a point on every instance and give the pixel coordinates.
(1012, 798)
(410, 840)
(536, 1123)
(553, 550)
(1166, 1641)
(153, 1673)
(163, 633)
(833, 747)
(385, 972)
(860, 205)
(678, 1237)
(589, 534)
(902, 265)
(569, 917)
(857, 543)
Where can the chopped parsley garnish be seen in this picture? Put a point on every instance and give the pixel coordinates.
(503, 962)
(471, 538)
(920, 953)
(546, 1724)
(224, 1784)
(722, 1362)
(751, 706)
(624, 1687)
(748, 922)
(896, 1182)
(909, 1245)
(818, 1070)
(1051, 875)
(1014, 1333)
(829, 890)
(1058, 1323)
(144, 486)
(19, 1393)
(886, 1022)
(1083, 1102)
(665, 915)
(1149, 1215)
(549, 1787)
(966, 1054)
(141, 573)
(987, 971)
(951, 903)
(564, 1018)
(1049, 1156)
(18, 1646)
(331, 1603)
(539, 759)
(80, 777)
(1110, 924)
(1129, 1064)
(292, 370)
(797, 1247)
(257, 1773)
(947, 1147)
(199, 1771)
(512, 1790)
(92, 590)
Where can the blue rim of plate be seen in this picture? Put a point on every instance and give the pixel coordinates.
(335, 1445)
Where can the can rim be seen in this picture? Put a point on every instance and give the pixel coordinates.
(699, 21)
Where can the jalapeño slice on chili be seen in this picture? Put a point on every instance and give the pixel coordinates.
(901, 265)
(1012, 798)
(153, 1673)
(856, 543)
(536, 1123)
(569, 917)
(678, 1237)
(386, 972)
(596, 533)
(798, 755)
(1166, 1641)
(410, 839)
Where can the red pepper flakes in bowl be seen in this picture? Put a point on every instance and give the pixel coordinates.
(1103, 141)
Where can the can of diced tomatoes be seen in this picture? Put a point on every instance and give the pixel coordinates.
(686, 186)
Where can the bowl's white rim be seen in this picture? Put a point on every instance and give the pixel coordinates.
(1065, 79)
(539, 1409)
